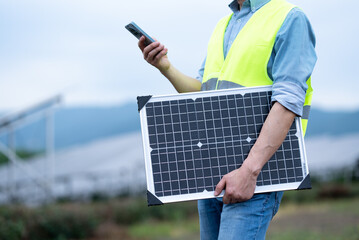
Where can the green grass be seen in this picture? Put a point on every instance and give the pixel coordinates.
(3, 159)
(347, 234)
(324, 219)
(302, 215)
(21, 154)
(166, 230)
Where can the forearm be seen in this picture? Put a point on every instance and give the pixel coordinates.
(272, 135)
(181, 82)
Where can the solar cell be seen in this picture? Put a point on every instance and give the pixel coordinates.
(192, 140)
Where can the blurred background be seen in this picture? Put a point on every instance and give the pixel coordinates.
(71, 159)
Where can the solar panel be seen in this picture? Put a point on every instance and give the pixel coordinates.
(192, 140)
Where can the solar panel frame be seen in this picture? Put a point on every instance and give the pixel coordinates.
(154, 199)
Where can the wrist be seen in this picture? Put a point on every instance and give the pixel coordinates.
(165, 70)
(253, 166)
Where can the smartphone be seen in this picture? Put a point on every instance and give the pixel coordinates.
(138, 33)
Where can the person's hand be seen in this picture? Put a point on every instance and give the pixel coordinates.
(239, 185)
(155, 54)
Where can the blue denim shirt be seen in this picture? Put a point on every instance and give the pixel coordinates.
(293, 56)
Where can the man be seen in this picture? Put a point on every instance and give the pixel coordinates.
(263, 42)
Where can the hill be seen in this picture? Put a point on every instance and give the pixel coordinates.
(81, 125)
(335, 123)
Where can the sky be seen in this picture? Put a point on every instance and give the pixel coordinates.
(81, 49)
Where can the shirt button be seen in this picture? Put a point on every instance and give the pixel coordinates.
(239, 20)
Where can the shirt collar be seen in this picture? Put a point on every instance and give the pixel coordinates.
(255, 4)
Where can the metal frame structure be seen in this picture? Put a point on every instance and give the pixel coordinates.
(8, 125)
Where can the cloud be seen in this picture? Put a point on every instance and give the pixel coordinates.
(47, 46)
(35, 81)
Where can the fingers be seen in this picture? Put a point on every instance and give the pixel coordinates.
(231, 196)
(220, 186)
(152, 50)
(227, 199)
(161, 54)
(142, 43)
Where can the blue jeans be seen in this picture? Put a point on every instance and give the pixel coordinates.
(247, 220)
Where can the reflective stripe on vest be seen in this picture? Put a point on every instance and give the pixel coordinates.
(247, 60)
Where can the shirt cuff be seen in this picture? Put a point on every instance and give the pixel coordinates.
(290, 95)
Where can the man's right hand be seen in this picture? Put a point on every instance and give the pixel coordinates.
(155, 54)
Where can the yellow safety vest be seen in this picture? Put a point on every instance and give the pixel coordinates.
(247, 60)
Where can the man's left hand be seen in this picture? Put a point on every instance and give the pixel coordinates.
(239, 185)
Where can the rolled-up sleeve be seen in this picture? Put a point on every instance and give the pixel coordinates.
(293, 61)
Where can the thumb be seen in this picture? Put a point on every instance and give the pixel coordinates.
(141, 43)
(220, 186)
